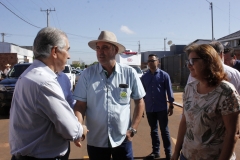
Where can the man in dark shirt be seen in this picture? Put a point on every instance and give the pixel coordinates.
(156, 84)
(230, 58)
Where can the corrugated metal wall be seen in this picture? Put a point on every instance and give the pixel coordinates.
(175, 66)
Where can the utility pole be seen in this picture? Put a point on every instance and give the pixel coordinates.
(139, 51)
(48, 11)
(3, 34)
(211, 5)
(165, 44)
(229, 18)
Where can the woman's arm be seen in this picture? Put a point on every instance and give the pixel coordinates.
(181, 132)
(232, 128)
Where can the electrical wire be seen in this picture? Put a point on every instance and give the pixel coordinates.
(19, 16)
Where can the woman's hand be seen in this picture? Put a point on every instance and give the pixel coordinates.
(175, 156)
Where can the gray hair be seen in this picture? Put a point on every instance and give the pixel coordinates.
(47, 38)
(217, 46)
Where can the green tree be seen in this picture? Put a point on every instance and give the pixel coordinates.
(75, 65)
(93, 63)
(82, 65)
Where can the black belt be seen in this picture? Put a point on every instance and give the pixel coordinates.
(33, 158)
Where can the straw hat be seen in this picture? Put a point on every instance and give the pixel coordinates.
(107, 36)
(8, 65)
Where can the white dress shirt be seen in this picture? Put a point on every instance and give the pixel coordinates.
(65, 84)
(41, 120)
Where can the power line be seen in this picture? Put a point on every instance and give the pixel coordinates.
(18, 10)
(225, 11)
(19, 16)
(20, 35)
(56, 15)
(79, 36)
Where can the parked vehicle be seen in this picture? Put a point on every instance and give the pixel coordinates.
(77, 74)
(71, 76)
(132, 59)
(7, 86)
(138, 69)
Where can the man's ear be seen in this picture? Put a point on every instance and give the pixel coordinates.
(222, 55)
(54, 52)
(116, 48)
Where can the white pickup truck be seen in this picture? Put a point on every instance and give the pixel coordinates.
(132, 59)
(71, 76)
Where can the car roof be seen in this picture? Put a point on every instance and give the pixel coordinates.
(20, 64)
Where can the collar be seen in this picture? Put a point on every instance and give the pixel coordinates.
(38, 63)
(116, 68)
(157, 70)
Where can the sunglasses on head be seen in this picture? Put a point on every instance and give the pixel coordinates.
(226, 50)
(152, 60)
(191, 61)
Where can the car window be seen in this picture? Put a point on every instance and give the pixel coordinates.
(66, 70)
(139, 71)
(17, 70)
(76, 71)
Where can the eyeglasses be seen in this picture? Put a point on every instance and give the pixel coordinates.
(152, 60)
(191, 61)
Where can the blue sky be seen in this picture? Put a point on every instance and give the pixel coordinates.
(133, 21)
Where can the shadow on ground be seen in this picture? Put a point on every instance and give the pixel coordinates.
(135, 158)
(4, 116)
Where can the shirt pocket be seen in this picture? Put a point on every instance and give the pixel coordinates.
(123, 95)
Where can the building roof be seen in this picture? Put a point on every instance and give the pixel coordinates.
(233, 35)
(201, 41)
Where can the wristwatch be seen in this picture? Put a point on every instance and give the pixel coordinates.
(134, 131)
(171, 106)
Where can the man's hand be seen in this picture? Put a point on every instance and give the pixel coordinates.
(78, 141)
(129, 135)
(170, 111)
(85, 131)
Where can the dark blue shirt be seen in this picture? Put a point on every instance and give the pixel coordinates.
(156, 86)
(237, 65)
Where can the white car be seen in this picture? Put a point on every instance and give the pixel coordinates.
(71, 76)
(138, 69)
(77, 73)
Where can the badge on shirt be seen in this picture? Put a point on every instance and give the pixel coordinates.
(123, 94)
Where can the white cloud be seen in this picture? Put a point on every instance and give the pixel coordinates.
(126, 30)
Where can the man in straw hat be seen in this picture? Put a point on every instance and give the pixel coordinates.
(103, 95)
(7, 69)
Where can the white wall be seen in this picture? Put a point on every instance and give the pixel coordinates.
(21, 52)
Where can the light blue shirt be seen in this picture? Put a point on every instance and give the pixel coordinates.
(108, 105)
(65, 84)
(41, 120)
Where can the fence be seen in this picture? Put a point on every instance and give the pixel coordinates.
(174, 65)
